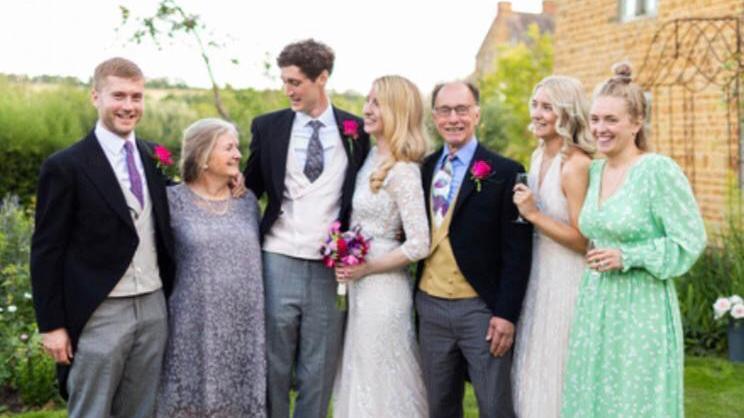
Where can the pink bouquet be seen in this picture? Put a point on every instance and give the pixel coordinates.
(347, 248)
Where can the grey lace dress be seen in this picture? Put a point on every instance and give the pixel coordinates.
(215, 359)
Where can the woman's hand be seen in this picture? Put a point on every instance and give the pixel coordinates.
(605, 259)
(237, 186)
(525, 201)
(348, 273)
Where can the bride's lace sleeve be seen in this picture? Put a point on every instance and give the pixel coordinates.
(404, 186)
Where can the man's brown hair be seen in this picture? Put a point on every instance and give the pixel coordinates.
(310, 56)
(117, 67)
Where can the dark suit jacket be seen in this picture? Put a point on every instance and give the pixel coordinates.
(84, 238)
(266, 167)
(492, 252)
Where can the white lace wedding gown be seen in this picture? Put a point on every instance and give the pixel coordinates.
(380, 374)
(541, 347)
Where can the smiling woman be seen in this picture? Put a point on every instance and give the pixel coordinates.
(626, 349)
(216, 316)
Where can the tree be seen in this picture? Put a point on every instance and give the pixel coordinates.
(505, 93)
(169, 20)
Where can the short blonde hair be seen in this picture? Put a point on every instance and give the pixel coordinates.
(402, 111)
(197, 145)
(621, 85)
(117, 67)
(566, 96)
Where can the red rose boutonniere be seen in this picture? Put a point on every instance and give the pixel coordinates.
(163, 159)
(351, 132)
(479, 173)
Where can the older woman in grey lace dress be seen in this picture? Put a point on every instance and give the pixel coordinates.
(215, 360)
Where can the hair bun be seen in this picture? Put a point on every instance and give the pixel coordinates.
(623, 71)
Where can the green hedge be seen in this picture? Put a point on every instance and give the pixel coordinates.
(718, 272)
(38, 119)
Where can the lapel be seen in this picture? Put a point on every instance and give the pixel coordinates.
(427, 174)
(346, 143)
(279, 143)
(155, 182)
(98, 169)
(468, 185)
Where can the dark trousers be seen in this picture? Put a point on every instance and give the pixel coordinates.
(452, 337)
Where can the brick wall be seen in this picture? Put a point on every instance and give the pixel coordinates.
(698, 129)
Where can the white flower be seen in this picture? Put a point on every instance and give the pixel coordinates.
(736, 300)
(738, 311)
(24, 337)
(721, 306)
(12, 308)
(2, 310)
(26, 295)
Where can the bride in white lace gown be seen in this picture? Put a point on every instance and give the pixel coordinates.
(558, 179)
(380, 375)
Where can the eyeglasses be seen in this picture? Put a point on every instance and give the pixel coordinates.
(444, 111)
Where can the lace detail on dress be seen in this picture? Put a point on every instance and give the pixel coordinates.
(380, 374)
(215, 359)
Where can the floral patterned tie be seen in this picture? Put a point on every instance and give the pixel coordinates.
(440, 191)
(314, 161)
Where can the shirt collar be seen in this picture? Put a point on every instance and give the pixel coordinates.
(326, 117)
(464, 154)
(110, 141)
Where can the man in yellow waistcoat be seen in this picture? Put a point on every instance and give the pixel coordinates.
(470, 289)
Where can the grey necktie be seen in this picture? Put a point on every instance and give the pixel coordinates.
(314, 161)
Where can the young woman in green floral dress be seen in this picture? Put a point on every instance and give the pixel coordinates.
(626, 349)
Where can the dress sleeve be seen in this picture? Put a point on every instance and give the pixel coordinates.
(404, 186)
(676, 214)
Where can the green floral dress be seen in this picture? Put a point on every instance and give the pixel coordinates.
(626, 349)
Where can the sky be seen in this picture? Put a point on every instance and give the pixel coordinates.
(426, 41)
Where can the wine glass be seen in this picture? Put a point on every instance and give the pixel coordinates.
(521, 179)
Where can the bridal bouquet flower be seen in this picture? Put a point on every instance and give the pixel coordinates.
(733, 305)
(347, 248)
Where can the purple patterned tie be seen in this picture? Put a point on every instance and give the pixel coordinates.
(135, 180)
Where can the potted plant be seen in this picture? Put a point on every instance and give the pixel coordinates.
(734, 307)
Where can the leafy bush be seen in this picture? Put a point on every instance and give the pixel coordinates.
(37, 119)
(718, 272)
(506, 91)
(23, 366)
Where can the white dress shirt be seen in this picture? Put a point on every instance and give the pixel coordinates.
(113, 148)
(309, 208)
(301, 133)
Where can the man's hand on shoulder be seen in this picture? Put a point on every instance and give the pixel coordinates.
(58, 345)
(501, 335)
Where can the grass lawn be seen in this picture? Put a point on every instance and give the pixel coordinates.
(713, 389)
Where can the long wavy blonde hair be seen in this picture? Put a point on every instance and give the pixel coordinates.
(566, 95)
(402, 111)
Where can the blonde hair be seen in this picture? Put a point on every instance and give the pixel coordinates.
(117, 67)
(621, 85)
(566, 96)
(402, 111)
(197, 145)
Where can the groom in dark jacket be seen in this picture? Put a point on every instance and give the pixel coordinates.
(470, 288)
(305, 159)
